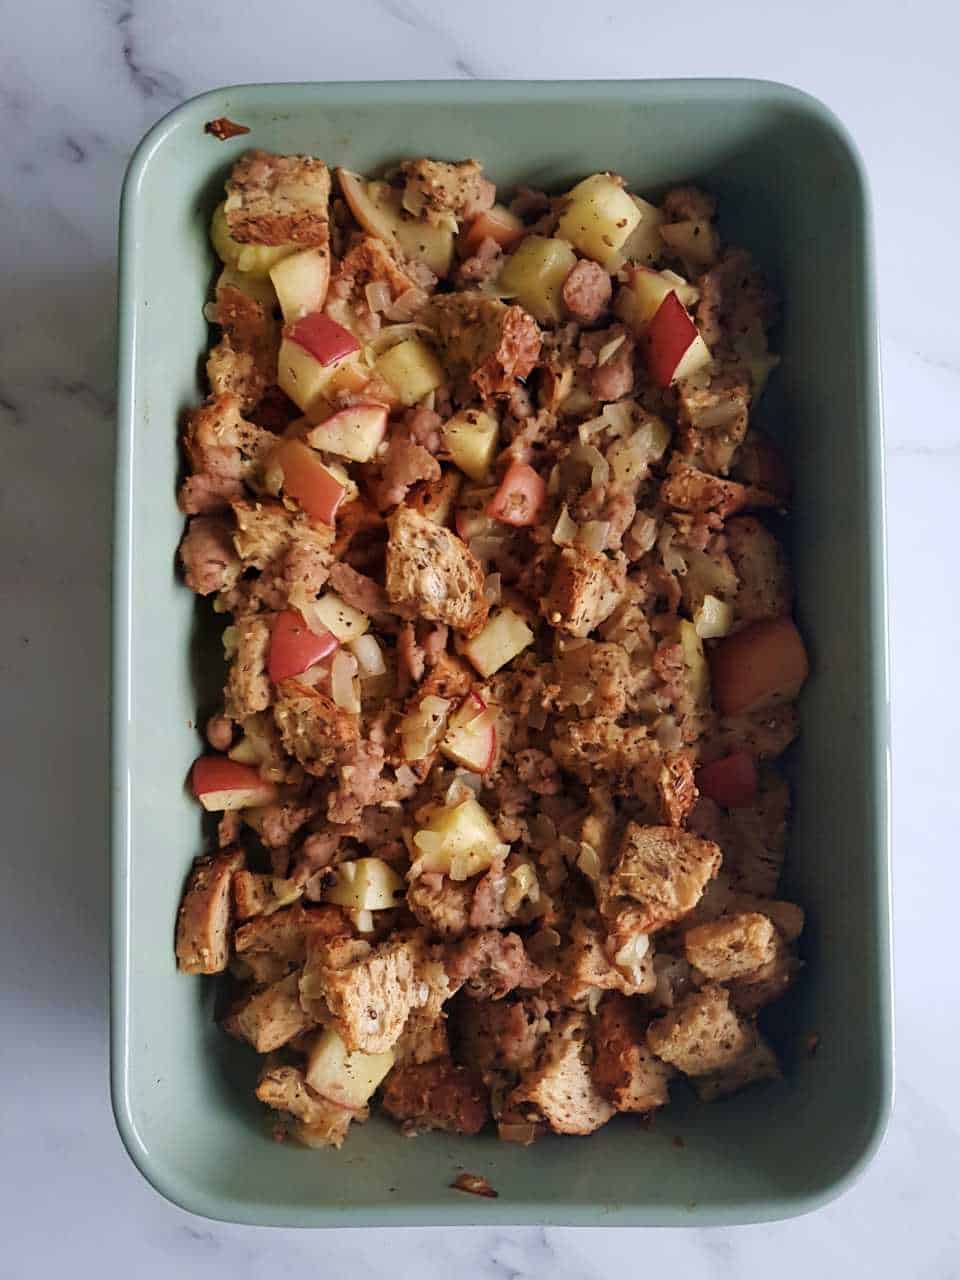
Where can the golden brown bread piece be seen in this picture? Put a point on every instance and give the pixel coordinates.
(433, 574)
(203, 922)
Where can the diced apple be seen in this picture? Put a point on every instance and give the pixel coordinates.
(301, 282)
(314, 486)
(497, 224)
(457, 840)
(365, 884)
(471, 737)
(639, 300)
(471, 437)
(309, 383)
(411, 369)
(694, 241)
(643, 244)
(696, 671)
(599, 218)
(501, 639)
(336, 616)
(355, 432)
(221, 784)
(377, 208)
(674, 348)
(534, 275)
(347, 1079)
(259, 288)
(731, 781)
(294, 647)
(327, 341)
(761, 665)
(254, 259)
(423, 727)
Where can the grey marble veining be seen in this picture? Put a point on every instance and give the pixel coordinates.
(80, 80)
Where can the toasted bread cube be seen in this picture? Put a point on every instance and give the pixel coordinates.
(702, 1034)
(271, 1017)
(430, 571)
(368, 991)
(203, 922)
(758, 1063)
(665, 870)
(731, 947)
(584, 591)
(278, 200)
(561, 1090)
(766, 984)
(624, 1069)
(765, 589)
(437, 1095)
(313, 727)
(321, 1123)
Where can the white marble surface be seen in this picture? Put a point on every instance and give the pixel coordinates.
(80, 80)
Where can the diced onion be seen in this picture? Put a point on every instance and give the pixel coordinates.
(668, 734)
(619, 416)
(406, 778)
(591, 428)
(673, 561)
(593, 536)
(423, 728)
(643, 532)
(566, 529)
(378, 295)
(491, 588)
(713, 619)
(589, 862)
(362, 921)
(407, 305)
(610, 349)
(342, 688)
(584, 456)
(685, 291)
(369, 655)
(523, 887)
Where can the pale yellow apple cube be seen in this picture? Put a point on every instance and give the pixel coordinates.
(345, 1078)
(365, 884)
(534, 275)
(599, 218)
(504, 636)
(411, 370)
(471, 438)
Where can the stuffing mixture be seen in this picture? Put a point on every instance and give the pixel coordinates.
(510, 663)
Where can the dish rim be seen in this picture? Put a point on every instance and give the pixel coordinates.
(431, 1212)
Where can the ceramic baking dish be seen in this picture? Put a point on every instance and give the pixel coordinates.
(792, 190)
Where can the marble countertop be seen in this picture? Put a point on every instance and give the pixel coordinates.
(80, 80)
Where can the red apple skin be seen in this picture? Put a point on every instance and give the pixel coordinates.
(216, 775)
(520, 497)
(326, 340)
(306, 479)
(357, 417)
(761, 665)
(670, 333)
(294, 647)
(730, 781)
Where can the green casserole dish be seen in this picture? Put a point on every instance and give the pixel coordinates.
(792, 191)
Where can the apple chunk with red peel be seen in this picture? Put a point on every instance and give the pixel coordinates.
(673, 344)
(294, 647)
(471, 738)
(313, 352)
(306, 479)
(377, 208)
(220, 784)
(497, 224)
(301, 282)
(764, 664)
(355, 433)
(730, 781)
(504, 636)
(520, 497)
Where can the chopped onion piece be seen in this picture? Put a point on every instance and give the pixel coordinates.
(583, 456)
(369, 655)
(673, 561)
(589, 862)
(396, 333)
(342, 688)
(643, 532)
(378, 295)
(594, 536)
(610, 349)
(362, 921)
(423, 728)
(713, 619)
(491, 588)
(523, 886)
(667, 733)
(407, 305)
(405, 777)
(566, 529)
